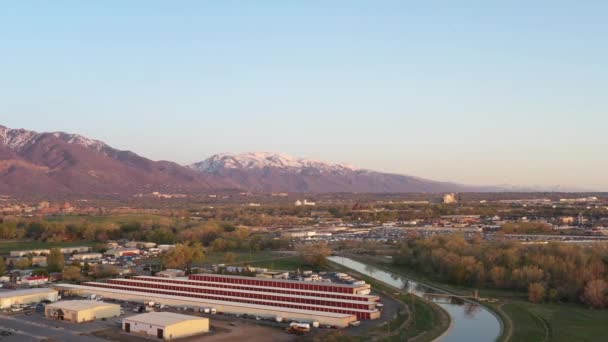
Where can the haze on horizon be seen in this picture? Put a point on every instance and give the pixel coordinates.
(482, 93)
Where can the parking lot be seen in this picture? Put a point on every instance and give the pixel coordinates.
(31, 325)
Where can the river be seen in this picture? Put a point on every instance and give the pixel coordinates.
(470, 321)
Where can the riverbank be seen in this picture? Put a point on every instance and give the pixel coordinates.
(419, 320)
(522, 320)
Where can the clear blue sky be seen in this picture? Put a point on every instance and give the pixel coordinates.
(480, 92)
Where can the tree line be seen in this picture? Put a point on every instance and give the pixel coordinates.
(554, 272)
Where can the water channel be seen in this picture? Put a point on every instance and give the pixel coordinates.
(471, 322)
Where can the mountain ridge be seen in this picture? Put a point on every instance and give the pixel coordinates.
(49, 163)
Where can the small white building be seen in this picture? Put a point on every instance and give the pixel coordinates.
(171, 273)
(140, 244)
(34, 280)
(118, 252)
(75, 249)
(165, 247)
(25, 252)
(165, 325)
(87, 256)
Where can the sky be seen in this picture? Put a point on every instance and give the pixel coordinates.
(476, 92)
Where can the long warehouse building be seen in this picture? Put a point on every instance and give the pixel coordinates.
(290, 291)
(281, 295)
(325, 318)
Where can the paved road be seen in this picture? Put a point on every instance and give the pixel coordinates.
(31, 331)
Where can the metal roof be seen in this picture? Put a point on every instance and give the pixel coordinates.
(253, 287)
(25, 292)
(77, 305)
(350, 286)
(231, 298)
(162, 318)
(194, 286)
(202, 302)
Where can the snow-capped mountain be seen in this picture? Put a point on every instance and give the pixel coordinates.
(274, 172)
(260, 160)
(20, 139)
(57, 164)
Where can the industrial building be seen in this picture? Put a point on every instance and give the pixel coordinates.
(165, 325)
(87, 256)
(170, 273)
(363, 289)
(140, 244)
(27, 296)
(119, 252)
(328, 303)
(78, 311)
(64, 250)
(325, 318)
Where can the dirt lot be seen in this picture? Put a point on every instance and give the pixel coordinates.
(221, 331)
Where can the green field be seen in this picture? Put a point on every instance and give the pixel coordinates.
(556, 322)
(7, 246)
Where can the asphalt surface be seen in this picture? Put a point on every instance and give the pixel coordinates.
(26, 330)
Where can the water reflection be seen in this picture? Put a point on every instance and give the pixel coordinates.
(470, 321)
(471, 309)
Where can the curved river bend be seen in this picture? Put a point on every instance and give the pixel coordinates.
(471, 322)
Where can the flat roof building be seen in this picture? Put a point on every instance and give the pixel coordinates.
(140, 244)
(326, 318)
(78, 311)
(170, 273)
(28, 296)
(165, 325)
(118, 252)
(87, 256)
(46, 251)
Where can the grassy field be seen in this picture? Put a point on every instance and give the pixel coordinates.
(523, 320)
(260, 259)
(556, 322)
(7, 246)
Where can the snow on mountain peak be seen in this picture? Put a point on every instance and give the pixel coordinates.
(18, 139)
(259, 160)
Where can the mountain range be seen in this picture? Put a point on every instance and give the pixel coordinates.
(58, 163)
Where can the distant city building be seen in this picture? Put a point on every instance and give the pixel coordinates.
(140, 244)
(118, 252)
(87, 256)
(450, 198)
(299, 203)
(171, 273)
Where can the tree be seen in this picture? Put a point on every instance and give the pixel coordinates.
(23, 263)
(314, 255)
(2, 266)
(55, 261)
(184, 255)
(71, 273)
(536, 292)
(595, 294)
(105, 271)
(40, 272)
